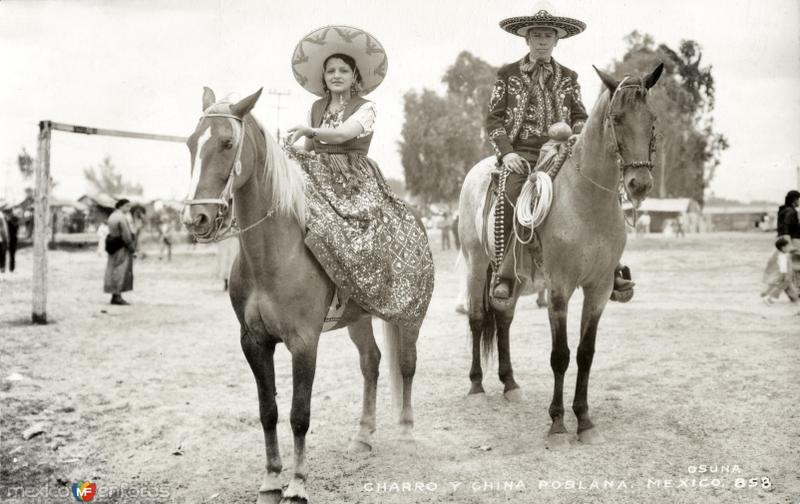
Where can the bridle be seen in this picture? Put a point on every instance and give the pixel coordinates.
(621, 162)
(227, 228)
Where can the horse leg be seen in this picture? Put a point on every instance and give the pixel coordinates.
(511, 390)
(481, 320)
(304, 362)
(559, 361)
(260, 357)
(370, 357)
(593, 306)
(408, 366)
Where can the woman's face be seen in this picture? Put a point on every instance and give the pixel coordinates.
(338, 75)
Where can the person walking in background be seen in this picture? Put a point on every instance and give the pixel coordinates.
(121, 247)
(454, 227)
(778, 276)
(3, 241)
(444, 226)
(227, 250)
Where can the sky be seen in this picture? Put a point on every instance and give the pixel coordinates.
(141, 66)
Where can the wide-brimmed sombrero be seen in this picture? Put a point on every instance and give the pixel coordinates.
(314, 48)
(564, 26)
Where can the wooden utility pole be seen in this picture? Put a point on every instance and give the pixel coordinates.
(41, 224)
(278, 108)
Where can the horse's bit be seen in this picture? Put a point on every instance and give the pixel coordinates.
(224, 202)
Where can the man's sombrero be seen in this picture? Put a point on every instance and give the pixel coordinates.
(314, 48)
(564, 26)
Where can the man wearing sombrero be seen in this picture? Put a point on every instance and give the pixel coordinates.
(528, 97)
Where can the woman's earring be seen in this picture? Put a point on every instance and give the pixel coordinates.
(354, 89)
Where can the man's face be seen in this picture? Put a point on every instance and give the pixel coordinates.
(541, 42)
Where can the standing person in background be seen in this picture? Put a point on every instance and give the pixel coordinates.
(121, 247)
(454, 227)
(444, 226)
(13, 221)
(788, 222)
(227, 250)
(3, 241)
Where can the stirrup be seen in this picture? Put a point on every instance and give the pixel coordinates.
(501, 304)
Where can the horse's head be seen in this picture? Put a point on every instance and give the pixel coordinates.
(630, 125)
(217, 165)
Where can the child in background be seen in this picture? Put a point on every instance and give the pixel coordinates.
(778, 276)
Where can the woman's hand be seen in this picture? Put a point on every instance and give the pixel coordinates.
(297, 132)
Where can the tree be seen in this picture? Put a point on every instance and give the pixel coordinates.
(105, 179)
(688, 148)
(25, 163)
(443, 136)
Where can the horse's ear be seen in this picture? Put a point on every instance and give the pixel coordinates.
(244, 106)
(610, 82)
(208, 98)
(652, 78)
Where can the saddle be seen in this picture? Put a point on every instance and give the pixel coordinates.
(551, 158)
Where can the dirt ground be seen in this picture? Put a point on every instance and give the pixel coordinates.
(694, 385)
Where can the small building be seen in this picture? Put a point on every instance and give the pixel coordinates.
(737, 217)
(665, 212)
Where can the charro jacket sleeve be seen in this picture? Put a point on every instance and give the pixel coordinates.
(495, 129)
(577, 113)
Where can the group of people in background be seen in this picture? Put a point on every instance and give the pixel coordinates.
(780, 273)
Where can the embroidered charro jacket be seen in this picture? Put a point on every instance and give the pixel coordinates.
(524, 104)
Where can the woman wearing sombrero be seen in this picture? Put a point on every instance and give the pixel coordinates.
(363, 235)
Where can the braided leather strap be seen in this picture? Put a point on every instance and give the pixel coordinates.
(499, 219)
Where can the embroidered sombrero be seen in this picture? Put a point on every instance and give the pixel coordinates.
(564, 26)
(314, 48)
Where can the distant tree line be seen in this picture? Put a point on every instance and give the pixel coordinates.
(443, 135)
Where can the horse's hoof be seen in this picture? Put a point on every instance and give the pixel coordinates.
(515, 395)
(294, 500)
(558, 441)
(591, 436)
(358, 446)
(270, 497)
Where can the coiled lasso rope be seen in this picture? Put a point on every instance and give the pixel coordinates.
(539, 195)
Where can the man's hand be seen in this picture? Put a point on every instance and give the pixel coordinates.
(515, 163)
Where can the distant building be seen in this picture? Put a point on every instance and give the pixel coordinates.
(737, 217)
(665, 212)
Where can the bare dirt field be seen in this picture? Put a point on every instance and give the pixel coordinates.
(694, 385)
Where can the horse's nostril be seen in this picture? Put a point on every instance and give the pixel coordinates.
(199, 220)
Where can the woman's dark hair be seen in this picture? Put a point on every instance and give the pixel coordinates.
(121, 203)
(349, 61)
(791, 197)
(781, 242)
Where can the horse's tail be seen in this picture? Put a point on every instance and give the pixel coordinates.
(391, 338)
(489, 324)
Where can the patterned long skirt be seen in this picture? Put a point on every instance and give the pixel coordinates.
(366, 238)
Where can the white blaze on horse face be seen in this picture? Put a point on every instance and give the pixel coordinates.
(197, 162)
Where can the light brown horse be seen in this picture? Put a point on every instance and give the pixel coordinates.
(582, 241)
(279, 291)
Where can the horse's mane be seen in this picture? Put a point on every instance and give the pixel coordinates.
(282, 176)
